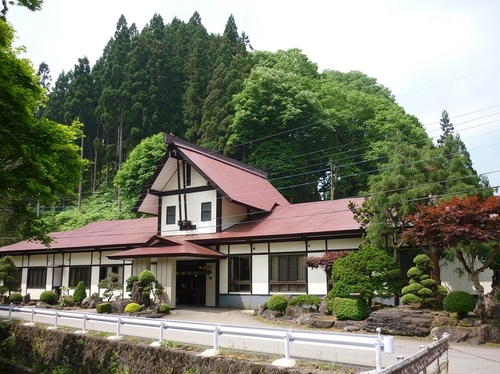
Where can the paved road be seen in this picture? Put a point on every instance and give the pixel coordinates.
(463, 358)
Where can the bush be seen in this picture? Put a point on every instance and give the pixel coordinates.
(67, 301)
(277, 303)
(146, 277)
(130, 282)
(350, 308)
(132, 308)
(16, 298)
(164, 308)
(411, 299)
(48, 297)
(103, 308)
(306, 300)
(459, 302)
(79, 293)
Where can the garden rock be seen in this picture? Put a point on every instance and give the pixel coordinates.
(400, 321)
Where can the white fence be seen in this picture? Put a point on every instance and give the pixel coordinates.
(376, 343)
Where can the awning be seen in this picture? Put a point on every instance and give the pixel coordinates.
(184, 249)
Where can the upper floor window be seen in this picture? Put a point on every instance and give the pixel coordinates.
(170, 215)
(206, 211)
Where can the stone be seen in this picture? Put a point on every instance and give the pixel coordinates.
(349, 325)
(118, 306)
(460, 334)
(400, 321)
(26, 299)
(321, 322)
(90, 302)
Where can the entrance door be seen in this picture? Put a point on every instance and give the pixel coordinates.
(191, 283)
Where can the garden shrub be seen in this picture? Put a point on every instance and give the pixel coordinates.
(79, 293)
(130, 282)
(146, 277)
(350, 308)
(329, 305)
(277, 303)
(459, 302)
(132, 308)
(103, 308)
(16, 298)
(48, 297)
(164, 308)
(306, 300)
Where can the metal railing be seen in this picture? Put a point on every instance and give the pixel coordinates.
(377, 343)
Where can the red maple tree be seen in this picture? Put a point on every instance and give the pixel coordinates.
(470, 226)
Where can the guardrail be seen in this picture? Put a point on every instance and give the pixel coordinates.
(376, 343)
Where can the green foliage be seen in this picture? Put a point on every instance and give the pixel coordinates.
(350, 308)
(103, 308)
(9, 274)
(306, 300)
(277, 303)
(140, 166)
(112, 286)
(146, 277)
(130, 282)
(67, 301)
(150, 284)
(459, 302)
(422, 289)
(48, 297)
(369, 272)
(132, 308)
(80, 293)
(164, 308)
(16, 298)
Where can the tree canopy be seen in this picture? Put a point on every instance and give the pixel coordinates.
(39, 161)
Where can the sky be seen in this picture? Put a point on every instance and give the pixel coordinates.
(432, 54)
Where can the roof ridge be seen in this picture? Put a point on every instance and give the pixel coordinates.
(180, 143)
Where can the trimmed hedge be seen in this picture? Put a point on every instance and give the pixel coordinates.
(306, 300)
(164, 308)
(103, 308)
(132, 308)
(16, 298)
(459, 302)
(277, 303)
(79, 293)
(48, 297)
(350, 308)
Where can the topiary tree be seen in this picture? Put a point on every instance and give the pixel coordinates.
(306, 300)
(9, 274)
(112, 286)
(459, 302)
(80, 293)
(16, 298)
(277, 303)
(367, 273)
(150, 285)
(422, 290)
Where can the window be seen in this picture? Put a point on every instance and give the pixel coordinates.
(288, 273)
(170, 215)
(37, 277)
(77, 274)
(239, 274)
(206, 211)
(104, 271)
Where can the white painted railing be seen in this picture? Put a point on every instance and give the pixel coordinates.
(376, 343)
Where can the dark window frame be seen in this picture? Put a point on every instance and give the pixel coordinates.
(206, 213)
(170, 215)
(240, 279)
(79, 273)
(287, 273)
(37, 277)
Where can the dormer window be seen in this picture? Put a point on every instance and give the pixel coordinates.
(206, 211)
(170, 219)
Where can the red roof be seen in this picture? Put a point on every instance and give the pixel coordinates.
(307, 219)
(176, 248)
(103, 234)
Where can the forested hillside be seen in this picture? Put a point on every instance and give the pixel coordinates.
(319, 135)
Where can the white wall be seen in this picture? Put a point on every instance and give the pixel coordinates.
(452, 282)
(260, 274)
(317, 282)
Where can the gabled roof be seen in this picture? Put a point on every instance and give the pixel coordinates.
(119, 233)
(236, 181)
(170, 248)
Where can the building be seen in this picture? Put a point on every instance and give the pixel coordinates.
(222, 236)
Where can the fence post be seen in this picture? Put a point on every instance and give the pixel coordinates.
(32, 315)
(288, 338)
(56, 315)
(119, 322)
(216, 337)
(162, 326)
(10, 311)
(85, 318)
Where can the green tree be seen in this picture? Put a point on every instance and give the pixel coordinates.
(32, 5)
(9, 275)
(369, 273)
(112, 286)
(140, 166)
(38, 159)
